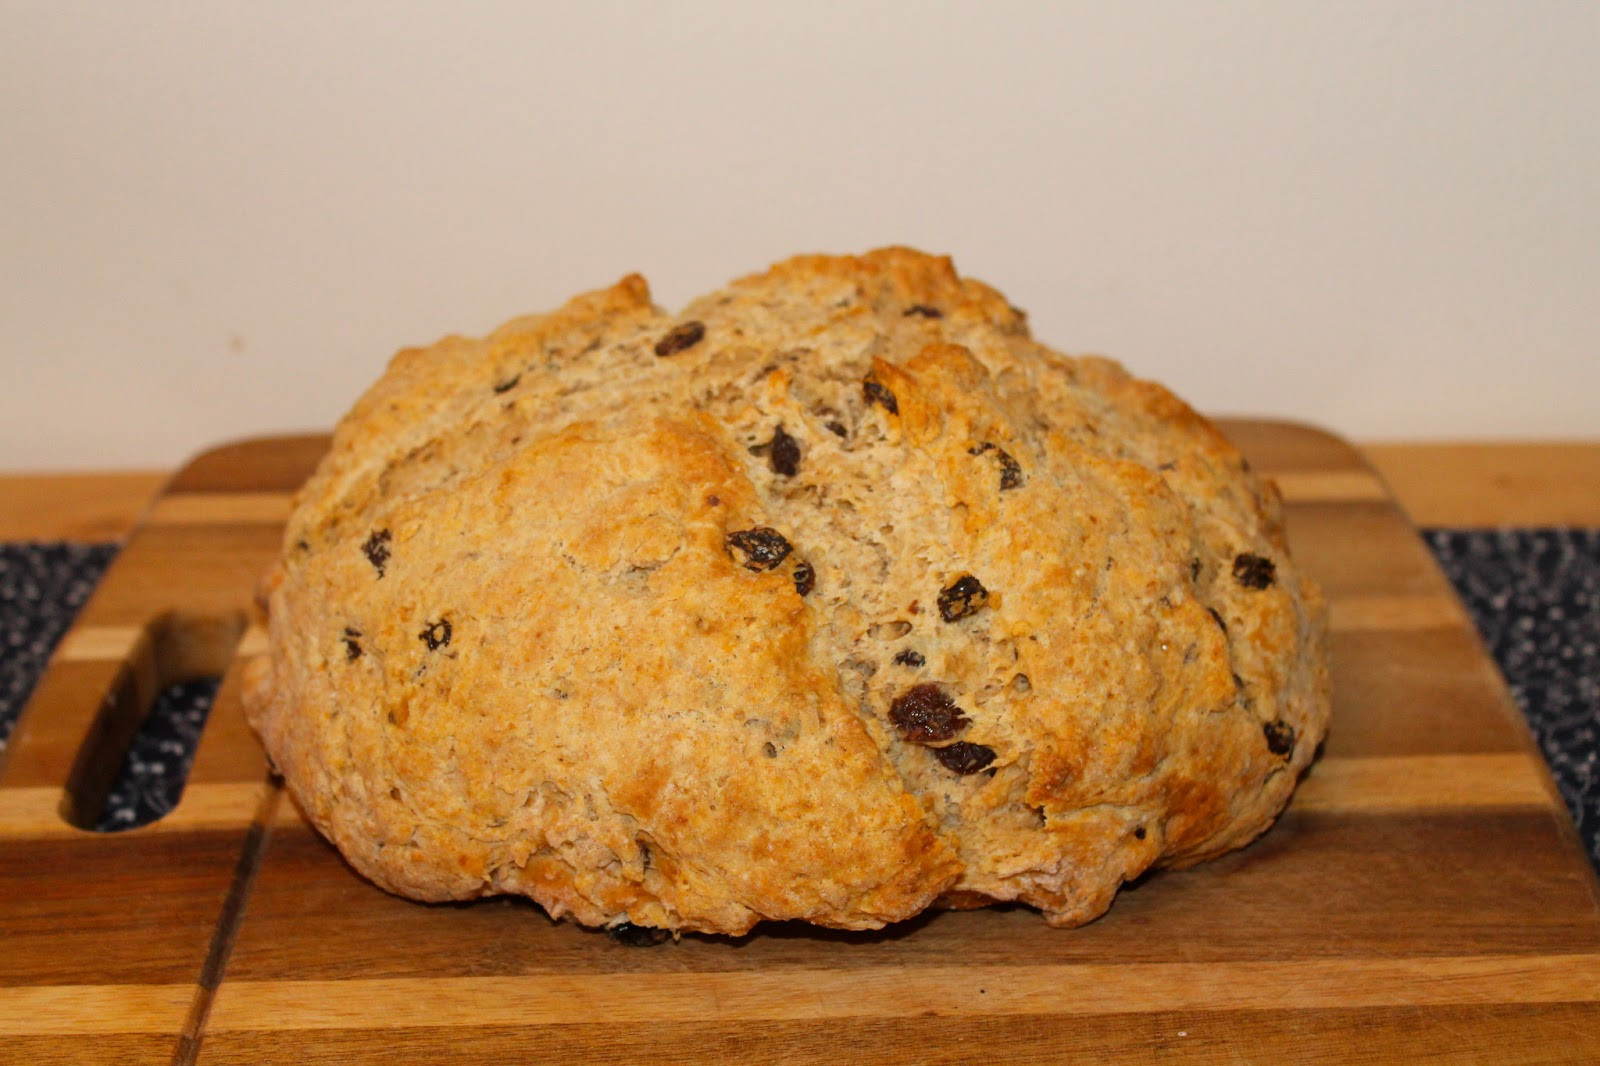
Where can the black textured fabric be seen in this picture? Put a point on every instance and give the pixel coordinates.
(150, 782)
(42, 586)
(1535, 596)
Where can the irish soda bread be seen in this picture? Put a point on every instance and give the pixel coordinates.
(832, 597)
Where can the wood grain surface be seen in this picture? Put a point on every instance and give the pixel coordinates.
(1493, 484)
(1424, 897)
(83, 507)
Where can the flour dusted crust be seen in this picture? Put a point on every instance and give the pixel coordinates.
(832, 597)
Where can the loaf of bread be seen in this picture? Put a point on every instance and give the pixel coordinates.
(833, 597)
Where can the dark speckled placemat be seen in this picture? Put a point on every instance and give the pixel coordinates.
(1534, 594)
(42, 586)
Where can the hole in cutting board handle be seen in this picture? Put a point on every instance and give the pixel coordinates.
(176, 654)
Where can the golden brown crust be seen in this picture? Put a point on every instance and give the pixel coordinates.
(829, 598)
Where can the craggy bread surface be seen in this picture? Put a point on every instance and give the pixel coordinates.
(832, 597)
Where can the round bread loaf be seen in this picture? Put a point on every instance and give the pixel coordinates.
(832, 598)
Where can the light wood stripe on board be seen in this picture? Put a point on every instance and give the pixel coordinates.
(81, 1010)
(1423, 783)
(814, 994)
(221, 508)
(98, 643)
(253, 642)
(116, 643)
(1330, 486)
(35, 813)
(1356, 614)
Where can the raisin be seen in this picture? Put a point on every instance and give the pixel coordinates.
(1217, 618)
(877, 393)
(922, 310)
(784, 453)
(965, 758)
(966, 596)
(924, 714)
(1254, 571)
(1138, 833)
(638, 936)
(907, 657)
(508, 384)
(1280, 737)
(1010, 469)
(758, 549)
(303, 545)
(352, 650)
(805, 578)
(837, 429)
(681, 338)
(436, 634)
(376, 549)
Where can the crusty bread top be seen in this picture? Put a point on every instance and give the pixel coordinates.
(833, 596)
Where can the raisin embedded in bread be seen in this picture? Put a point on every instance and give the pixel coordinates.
(832, 597)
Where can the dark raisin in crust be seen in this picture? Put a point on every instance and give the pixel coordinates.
(758, 549)
(352, 650)
(965, 758)
(837, 429)
(376, 549)
(922, 310)
(437, 634)
(907, 657)
(924, 714)
(508, 384)
(805, 578)
(1254, 571)
(681, 338)
(638, 936)
(1010, 469)
(1280, 738)
(965, 596)
(877, 393)
(784, 453)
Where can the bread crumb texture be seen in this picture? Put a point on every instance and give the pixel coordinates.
(832, 597)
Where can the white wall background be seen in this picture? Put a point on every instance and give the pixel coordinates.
(220, 218)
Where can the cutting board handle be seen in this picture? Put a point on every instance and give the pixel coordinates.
(172, 648)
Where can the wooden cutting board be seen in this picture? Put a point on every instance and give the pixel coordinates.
(1424, 895)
